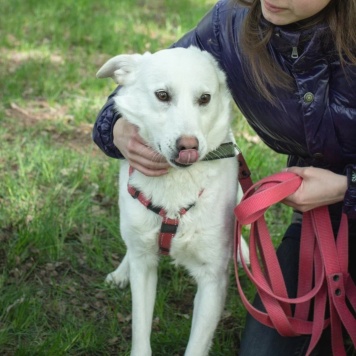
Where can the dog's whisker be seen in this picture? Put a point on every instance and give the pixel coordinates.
(146, 148)
(156, 157)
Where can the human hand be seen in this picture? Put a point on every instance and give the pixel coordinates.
(136, 150)
(319, 187)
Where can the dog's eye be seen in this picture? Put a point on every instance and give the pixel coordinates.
(204, 99)
(162, 95)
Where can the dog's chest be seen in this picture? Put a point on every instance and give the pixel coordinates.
(207, 195)
(172, 192)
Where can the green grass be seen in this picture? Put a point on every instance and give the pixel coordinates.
(58, 193)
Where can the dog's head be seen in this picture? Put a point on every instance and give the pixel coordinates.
(178, 98)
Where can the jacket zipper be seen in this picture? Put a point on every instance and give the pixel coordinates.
(294, 53)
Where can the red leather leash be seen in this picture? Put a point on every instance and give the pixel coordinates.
(323, 260)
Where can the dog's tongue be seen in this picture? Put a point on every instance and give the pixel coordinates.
(187, 156)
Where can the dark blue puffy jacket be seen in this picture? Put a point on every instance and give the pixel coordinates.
(315, 124)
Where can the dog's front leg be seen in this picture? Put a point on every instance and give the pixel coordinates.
(143, 281)
(208, 306)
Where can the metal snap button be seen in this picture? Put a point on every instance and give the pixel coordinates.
(318, 155)
(308, 97)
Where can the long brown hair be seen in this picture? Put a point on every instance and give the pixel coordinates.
(339, 15)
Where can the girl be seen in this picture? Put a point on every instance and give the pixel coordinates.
(290, 65)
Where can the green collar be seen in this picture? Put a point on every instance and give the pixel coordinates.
(225, 150)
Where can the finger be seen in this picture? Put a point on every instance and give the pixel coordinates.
(151, 156)
(295, 170)
(144, 150)
(148, 164)
(145, 156)
(149, 172)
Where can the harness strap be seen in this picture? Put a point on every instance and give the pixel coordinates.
(244, 174)
(168, 230)
(323, 275)
(168, 227)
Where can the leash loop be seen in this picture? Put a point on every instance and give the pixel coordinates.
(323, 268)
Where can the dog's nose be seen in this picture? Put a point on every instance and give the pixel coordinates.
(187, 143)
(187, 150)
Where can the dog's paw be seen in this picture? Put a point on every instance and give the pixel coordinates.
(120, 277)
(115, 280)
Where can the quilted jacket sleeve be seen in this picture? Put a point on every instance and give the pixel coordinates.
(350, 196)
(103, 128)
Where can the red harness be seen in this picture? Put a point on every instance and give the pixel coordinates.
(168, 227)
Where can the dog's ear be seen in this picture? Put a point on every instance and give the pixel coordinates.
(122, 69)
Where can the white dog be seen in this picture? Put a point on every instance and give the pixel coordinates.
(179, 100)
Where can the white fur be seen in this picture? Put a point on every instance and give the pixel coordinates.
(203, 243)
